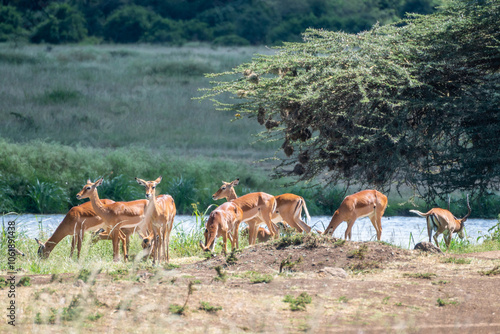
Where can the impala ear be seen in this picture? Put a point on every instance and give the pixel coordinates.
(158, 180)
(99, 182)
(40, 243)
(236, 182)
(140, 181)
(88, 181)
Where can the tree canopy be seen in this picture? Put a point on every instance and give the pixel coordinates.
(415, 102)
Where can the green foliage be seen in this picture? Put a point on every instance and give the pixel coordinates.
(420, 275)
(10, 23)
(442, 302)
(359, 253)
(220, 22)
(47, 197)
(491, 272)
(64, 24)
(289, 265)
(205, 306)
(456, 260)
(299, 303)
(221, 274)
(24, 281)
(392, 104)
(128, 24)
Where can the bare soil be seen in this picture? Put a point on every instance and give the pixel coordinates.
(375, 288)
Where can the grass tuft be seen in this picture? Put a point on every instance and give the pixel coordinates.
(299, 303)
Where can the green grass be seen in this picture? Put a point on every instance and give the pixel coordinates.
(420, 275)
(298, 303)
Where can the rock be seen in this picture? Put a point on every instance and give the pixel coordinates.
(334, 272)
(427, 247)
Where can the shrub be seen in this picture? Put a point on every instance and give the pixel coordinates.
(10, 22)
(299, 303)
(64, 25)
(128, 24)
(231, 40)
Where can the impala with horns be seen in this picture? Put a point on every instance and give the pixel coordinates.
(116, 215)
(159, 214)
(77, 221)
(366, 203)
(223, 222)
(288, 209)
(442, 221)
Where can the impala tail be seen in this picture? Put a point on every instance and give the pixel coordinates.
(418, 213)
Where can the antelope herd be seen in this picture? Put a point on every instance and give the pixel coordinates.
(152, 219)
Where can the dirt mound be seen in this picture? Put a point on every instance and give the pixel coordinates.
(306, 253)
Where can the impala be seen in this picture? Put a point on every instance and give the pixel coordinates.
(366, 203)
(77, 221)
(443, 222)
(115, 215)
(223, 221)
(159, 214)
(288, 209)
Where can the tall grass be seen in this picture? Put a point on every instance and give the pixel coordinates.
(117, 96)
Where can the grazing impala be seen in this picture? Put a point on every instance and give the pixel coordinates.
(366, 203)
(223, 221)
(288, 209)
(256, 207)
(77, 221)
(115, 215)
(159, 214)
(443, 222)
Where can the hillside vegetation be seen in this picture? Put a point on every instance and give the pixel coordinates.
(177, 21)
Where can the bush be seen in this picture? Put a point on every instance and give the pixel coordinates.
(64, 25)
(128, 24)
(231, 40)
(165, 31)
(10, 22)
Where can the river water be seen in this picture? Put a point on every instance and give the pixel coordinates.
(400, 231)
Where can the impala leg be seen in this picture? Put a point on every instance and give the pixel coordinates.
(224, 240)
(79, 241)
(251, 231)
(235, 243)
(447, 240)
(436, 239)
(73, 240)
(377, 226)
(348, 231)
(429, 228)
(124, 245)
(168, 242)
(116, 241)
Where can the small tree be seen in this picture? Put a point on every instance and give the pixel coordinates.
(415, 102)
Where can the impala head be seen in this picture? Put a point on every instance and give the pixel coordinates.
(226, 190)
(147, 240)
(88, 189)
(43, 252)
(149, 185)
(211, 231)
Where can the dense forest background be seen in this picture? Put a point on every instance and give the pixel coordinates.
(221, 22)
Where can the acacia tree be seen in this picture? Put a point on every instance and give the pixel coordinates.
(415, 102)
